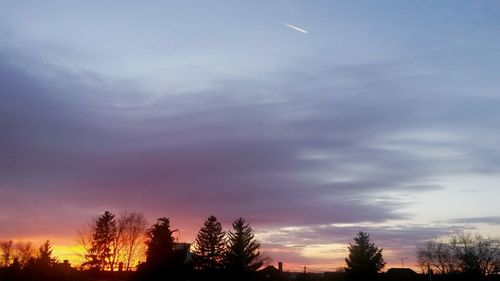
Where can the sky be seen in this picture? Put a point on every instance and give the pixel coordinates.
(383, 117)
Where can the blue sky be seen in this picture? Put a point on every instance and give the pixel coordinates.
(383, 117)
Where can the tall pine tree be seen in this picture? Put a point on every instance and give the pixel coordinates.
(365, 260)
(210, 246)
(242, 255)
(104, 233)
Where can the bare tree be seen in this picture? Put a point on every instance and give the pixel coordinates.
(6, 248)
(468, 253)
(117, 245)
(477, 255)
(24, 252)
(438, 256)
(132, 227)
(84, 241)
(127, 246)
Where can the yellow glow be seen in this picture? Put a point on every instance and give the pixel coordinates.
(326, 257)
(325, 251)
(62, 248)
(72, 253)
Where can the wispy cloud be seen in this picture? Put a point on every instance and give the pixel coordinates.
(295, 27)
(311, 136)
(492, 220)
(222, 153)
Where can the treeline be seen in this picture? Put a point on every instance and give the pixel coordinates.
(466, 254)
(127, 245)
(113, 242)
(216, 254)
(18, 252)
(22, 261)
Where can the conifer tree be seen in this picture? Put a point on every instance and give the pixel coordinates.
(365, 260)
(210, 246)
(242, 255)
(160, 244)
(45, 258)
(163, 260)
(104, 233)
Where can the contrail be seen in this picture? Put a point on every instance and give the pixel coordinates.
(295, 27)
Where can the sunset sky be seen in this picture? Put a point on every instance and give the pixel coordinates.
(383, 117)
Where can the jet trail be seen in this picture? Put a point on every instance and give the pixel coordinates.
(295, 27)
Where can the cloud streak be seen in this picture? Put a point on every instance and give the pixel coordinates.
(296, 28)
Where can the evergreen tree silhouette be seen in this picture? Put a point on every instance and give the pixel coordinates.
(104, 233)
(161, 262)
(45, 258)
(160, 243)
(242, 256)
(210, 246)
(365, 260)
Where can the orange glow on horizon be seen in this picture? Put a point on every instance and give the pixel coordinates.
(73, 253)
(322, 257)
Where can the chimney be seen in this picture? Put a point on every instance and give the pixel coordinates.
(280, 266)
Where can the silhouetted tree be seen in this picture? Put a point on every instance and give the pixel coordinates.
(210, 246)
(23, 252)
(438, 256)
(84, 239)
(470, 254)
(161, 263)
(117, 245)
(132, 227)
(6, 248)
(127, 243)
(99, 255)
(365, 260)
(45, 258)
(242, 255)
(160, 243)
(12, 273)
(477, 256)
(42, 267)
(19, 252)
